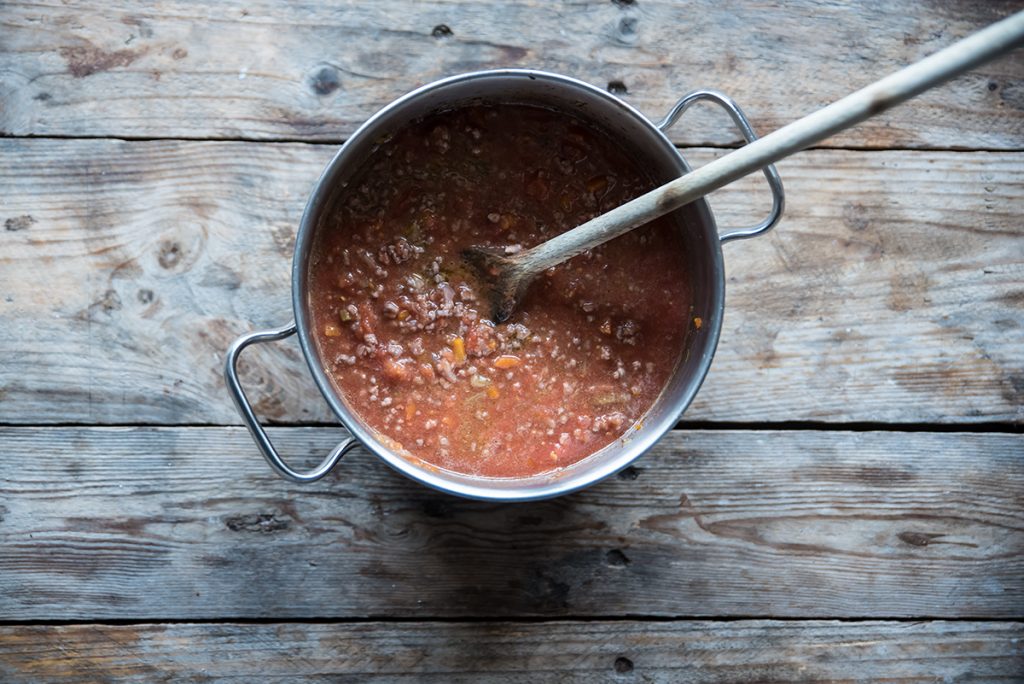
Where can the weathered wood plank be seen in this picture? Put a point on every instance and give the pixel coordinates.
(690, 651)
(273, 69)
(189, 523)
(891, 292)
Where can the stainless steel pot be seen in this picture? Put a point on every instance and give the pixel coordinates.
(648, 143)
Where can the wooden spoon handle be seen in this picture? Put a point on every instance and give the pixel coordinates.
(952, 61)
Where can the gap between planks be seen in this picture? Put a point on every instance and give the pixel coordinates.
(511, 619)
(330, 142)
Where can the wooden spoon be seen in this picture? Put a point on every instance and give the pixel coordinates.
(504, 279)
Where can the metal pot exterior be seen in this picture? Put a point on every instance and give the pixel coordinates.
(647, 142)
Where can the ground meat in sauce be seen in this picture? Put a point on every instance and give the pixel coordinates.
(404, 339)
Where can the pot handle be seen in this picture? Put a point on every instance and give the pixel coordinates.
(740, 119)
(259, 435)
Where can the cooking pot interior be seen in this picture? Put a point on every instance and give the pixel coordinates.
(640, 139)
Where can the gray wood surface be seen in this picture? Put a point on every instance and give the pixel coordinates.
(891, 292)
(271, 69)
(627, 651)
(189, 523)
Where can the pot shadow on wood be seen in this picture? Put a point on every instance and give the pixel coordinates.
(534, 558)
(368, 542)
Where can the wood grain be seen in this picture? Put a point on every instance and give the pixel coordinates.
(189, 523)
(891, 291)
(690, 651)
(268, 69)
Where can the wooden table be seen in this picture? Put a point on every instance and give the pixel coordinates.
(844, 500)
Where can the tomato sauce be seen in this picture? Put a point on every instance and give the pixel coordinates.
(405, 340)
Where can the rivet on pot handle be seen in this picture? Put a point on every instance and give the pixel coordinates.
(253, 423)
(740, 119)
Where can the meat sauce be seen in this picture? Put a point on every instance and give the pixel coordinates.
(406, 341)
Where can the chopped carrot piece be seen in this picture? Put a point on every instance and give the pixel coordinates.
(403, 314)
(492, 392)
(597, 184)
(459, 349)
(395, 370)
(331, 330)
(697, 322)
(410, 410)
(506, 361)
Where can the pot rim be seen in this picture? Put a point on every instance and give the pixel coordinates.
(638, 444)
